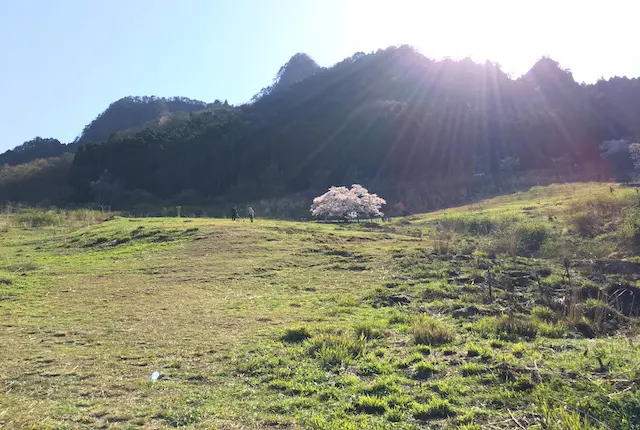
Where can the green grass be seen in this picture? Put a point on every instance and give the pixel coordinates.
(462, 318)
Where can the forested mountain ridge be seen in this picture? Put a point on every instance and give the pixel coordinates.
(131, 112)
(33, 149)
(387, 119)
(126, 115)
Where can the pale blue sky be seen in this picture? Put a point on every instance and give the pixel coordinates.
(64, 61)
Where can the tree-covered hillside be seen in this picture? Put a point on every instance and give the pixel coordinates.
(33, 149)
(391, 119)
(131, 112)
(127, 115)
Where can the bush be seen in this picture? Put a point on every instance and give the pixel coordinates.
(603, 317)
(38, 219)
(475, 224)
(552, 330)
(429, 331)
(296, 334)
(587, 224)
(530, 236)
(543, 313)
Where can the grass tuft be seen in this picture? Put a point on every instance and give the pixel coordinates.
(436, 408)
(370, 405)
(429, 331)
(296, 334)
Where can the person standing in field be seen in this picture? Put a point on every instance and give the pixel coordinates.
(234, 213)
(252, 213)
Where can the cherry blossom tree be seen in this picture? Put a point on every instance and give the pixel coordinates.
(347, 204)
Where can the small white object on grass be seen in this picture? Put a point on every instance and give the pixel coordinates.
(155, 376)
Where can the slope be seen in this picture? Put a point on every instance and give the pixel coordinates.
(439, 320)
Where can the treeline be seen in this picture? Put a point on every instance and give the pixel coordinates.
(38, 182)
(387, 119)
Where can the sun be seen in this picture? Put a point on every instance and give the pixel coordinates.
(489, 30)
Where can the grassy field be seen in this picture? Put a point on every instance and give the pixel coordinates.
(516, 312)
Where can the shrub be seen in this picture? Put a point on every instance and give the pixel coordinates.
(602, 316)
(370, 405)
(587, 224)
(429, 331)
(543, 313)
(475, 224)
(552, 330)
(436, 408)
(38, 219)
(590, 218)
(296, 334)
(530, 236)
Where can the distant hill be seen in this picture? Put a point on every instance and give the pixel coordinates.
(127, 115)
(131, 112)
(33, 149)
(393, 120)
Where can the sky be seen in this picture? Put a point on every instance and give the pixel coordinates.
(65, 61)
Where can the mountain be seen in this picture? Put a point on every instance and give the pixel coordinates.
(127, 115)
(426, 133)
(33, 149)
(132, 112)
(299, 67)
